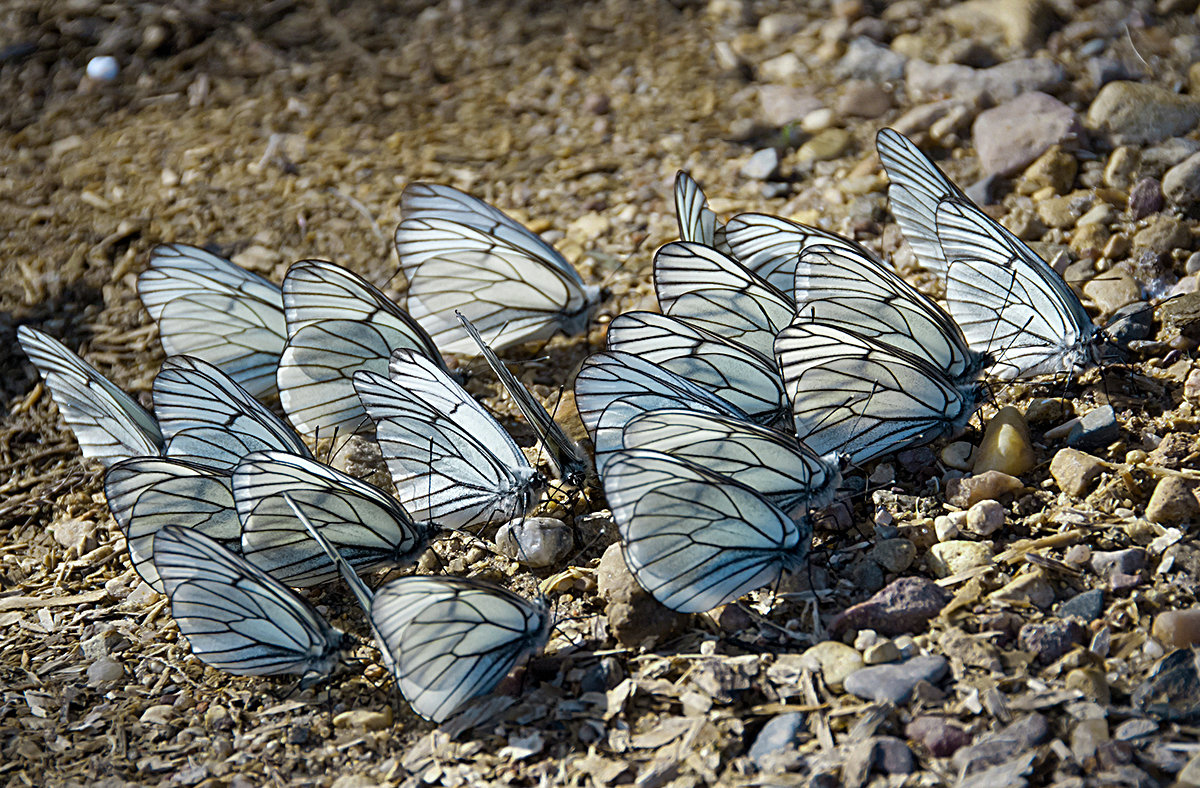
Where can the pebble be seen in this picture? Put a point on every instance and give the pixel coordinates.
(1131, 323)
(1031, 588)
(597, 103)
(953, 557)
(1160, 158)
(1138, 113)
(939, 735)
(985, 518)
(993, 748)
(158, 714)
(1163, 235)
(827, 144)
(818, 120)
(367, 719)
(989, 485)
(1075, 471)
(780, 25)
(363, 459)
(1047, 409)
(1172, 691)
(1145, 198)
(1174, 502)
(1177, 628)
(1126, 562)
(1087, 605)
(1096, 428)
(1135, 728)
(895, 683)
(535, 541)
(969, 650)
(77, 534)
(104, 670)
(1052, 639)
(863, 99)
(761, 165)
(834, 660)
(102, 644)
(781, 732)
(634, 617)
(103, 68)
(1024, 24)
(216, 717)
(881, 653)
(999, 83)
(781, 105)
(1181, 183)
(903, 607)
(1112, 290)
(1006, 445)
(958, 455)
(1191, 386)
(893, 756)
(1012, 135)
(894, 555)
(1091, 682)
(1054, 169)
(870, 60)
(1086, 738)
(946, 527)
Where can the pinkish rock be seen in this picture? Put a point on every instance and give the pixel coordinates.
(901, 608)
(1012, 135)
(939, 735)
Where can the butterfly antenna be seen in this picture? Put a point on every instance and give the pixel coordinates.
(609, 278)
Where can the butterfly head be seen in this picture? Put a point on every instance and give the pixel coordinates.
(795, 558)
(325, 656)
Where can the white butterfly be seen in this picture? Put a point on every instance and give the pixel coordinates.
(460, 254)
(857, 396)
(715, 292)
(207, 307)
(446, 640)
(109, 425)
(697, 222)
(238, 618)
(449, 459)
(208, 418)
(695, 539)
(367, 524)
(338, 323)
(1009, 302)
(146, 494)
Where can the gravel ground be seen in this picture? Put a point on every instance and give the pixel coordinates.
(1018, 620)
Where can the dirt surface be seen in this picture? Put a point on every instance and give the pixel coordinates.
(288, 131)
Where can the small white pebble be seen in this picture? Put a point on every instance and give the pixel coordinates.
(945, 528)
(103, 68)
(985, 518)
(865, 639)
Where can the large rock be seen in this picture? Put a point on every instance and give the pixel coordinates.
(1134, 113)
(1014, 134)
(634, 617)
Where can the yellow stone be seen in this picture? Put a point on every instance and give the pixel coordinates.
(1006, 445)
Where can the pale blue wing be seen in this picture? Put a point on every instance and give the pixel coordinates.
(770, 245)
(697, 222)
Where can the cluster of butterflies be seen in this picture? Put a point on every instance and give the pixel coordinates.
(780, 354)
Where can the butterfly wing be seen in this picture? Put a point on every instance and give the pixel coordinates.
(697, 222)
(109, 425)
(210, 308)
(770, 245)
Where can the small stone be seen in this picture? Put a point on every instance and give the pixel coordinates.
(939, 735)
(597, 103)
(780, 25)
(1163, 235)
(1135, 112)
(1086, 738)
(893, 756)
(1096, 428)
(762, 165)
(1145, 198)
(834, 660)
(985, 518)
(1051, 640)
(1136, 728)
(989, 485)
(1182, 314)
(1126, 562)
(999, 83)
(1172, 690)
(953, 557)
(894, 555)
(781, 732)
(1019, 736)
(781, 105)
(77, 534)
(1054, 169)
(828, 144)
(1177, 628)
(1130, 323)
(958, 455)
(102, 644)
(895, 683)
(634, 617)
(946, 528)
(881, 653)
(863, 99)
(104, 670)
(1025, 24)
(1122, 166)
(1086, 606)
(363, 459)
(1181, 183)
(366, 719)
(870, 60)
(1174, 502)
(1049, 409)
(1006, 445)
(1060, 212)
(1101, 213)
(1031, 587)
(1112, 290)
(1012, 135)
(903, 607)
(159, 714)
(217, 718)
(818, 120)
(258, 258)
(535, 541)
(1091, 683)
(971, 651)
(1075, 471)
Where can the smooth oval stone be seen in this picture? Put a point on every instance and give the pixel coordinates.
(1006, 446)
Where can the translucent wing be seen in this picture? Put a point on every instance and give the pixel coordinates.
(569, 460)
(852, 291)
(716, 293)
(736, 373)
(449, 459)
(109, 425)
(770, 245)
(208, 418)
(365, 523)
(237, 617)
(205, 306)
(146, 494)
(455, 638)
(694, 539)
(338, 323)
(775, 464)
(697, 222)
(856, 396)
(917, 186)
(1009, 302)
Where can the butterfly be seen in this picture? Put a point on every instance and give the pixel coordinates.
(446, 640)
(566, 456)
(839, 287)
(208, 418)
(770, 245)
(460, 254)
(860, 397)
(1009, 302)
(712, 291)
(109, 425)
(450, 461)
(367, 524)
(697, 222)
(695, 539)
(773, 463)
(207, 307)
(337, 323)
(917, 186)
(145, 494)
(238, 618)
(738, 374)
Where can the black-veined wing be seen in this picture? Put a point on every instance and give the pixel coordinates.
(855, 396)
(208, 307)
(566, 456)
(454, 638)
(1009, 302)
(109, 425)
(775, 464)
(366, 523)
(338, 323)
(853, 291)
(917, 186)
(694, 539)
(146, 494)
(208, 418)
(237, 617)
(715, 292)
(697, 222)
(736, 373)
(450, 461)
(770, 245)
